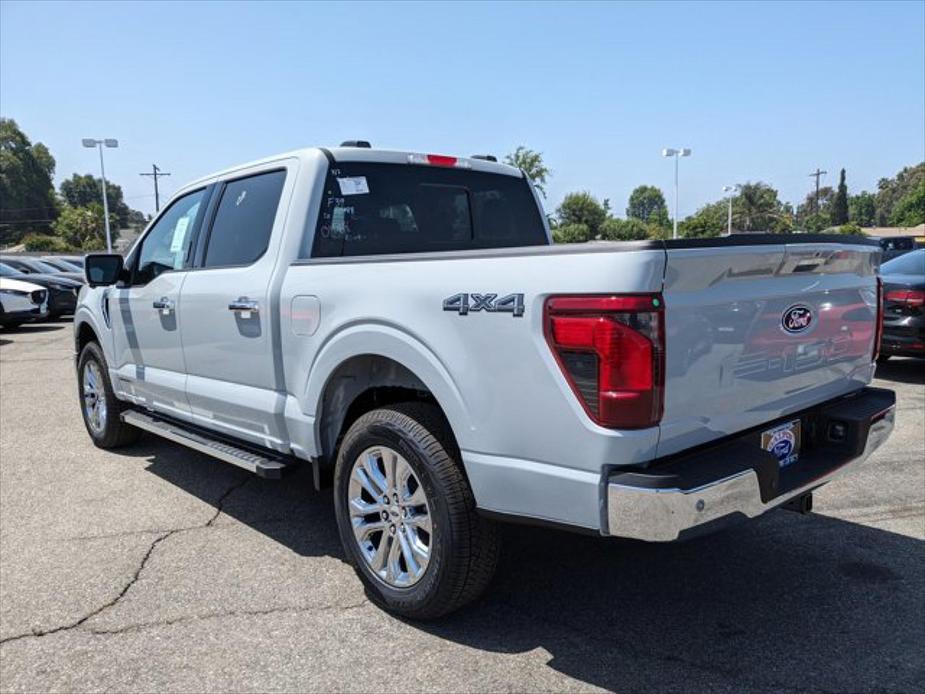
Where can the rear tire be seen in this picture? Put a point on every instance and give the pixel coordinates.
(101, 410)
(883, 358)
(462, 548)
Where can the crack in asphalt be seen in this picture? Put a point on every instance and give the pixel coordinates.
(295, 609)
(219, 507)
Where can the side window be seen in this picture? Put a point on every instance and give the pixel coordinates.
(166, 246)
(244, 220)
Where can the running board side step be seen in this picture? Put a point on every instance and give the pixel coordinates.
(269, 466)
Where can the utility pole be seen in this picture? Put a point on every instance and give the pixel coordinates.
(155, 174)
(818, 173)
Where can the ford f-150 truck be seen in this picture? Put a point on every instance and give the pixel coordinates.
(401, 322)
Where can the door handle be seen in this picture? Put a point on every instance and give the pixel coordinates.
(164, 305)
(244, 306)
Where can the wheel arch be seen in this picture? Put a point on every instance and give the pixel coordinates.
(84, 332)
(363, 383)
(372, 366)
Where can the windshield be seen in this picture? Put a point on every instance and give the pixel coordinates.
(912, 263)
(372, 208)
(7, 270)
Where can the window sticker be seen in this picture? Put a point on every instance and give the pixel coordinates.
(353, 185)
(179, 235)
(339, 225)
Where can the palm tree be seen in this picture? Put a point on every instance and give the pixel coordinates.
(531, 163)
(756, 207)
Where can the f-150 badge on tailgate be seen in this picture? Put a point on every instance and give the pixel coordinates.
(464, 304)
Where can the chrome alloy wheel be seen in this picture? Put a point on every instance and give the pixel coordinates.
(390, 516)
(94, 397)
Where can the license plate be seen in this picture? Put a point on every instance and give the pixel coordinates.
(784, 442)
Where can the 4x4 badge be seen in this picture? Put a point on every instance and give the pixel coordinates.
(463, 304)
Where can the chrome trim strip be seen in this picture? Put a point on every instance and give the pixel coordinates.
(661, 515)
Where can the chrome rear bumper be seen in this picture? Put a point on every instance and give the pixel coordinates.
(663, 514)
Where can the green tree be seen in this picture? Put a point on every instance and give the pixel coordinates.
(84, 190)
(849, 228)
(862, 209)
(910, 210)
(47, 243)
(757, 208)
(624, 229)
(583, 208)
(840, 202)
(809, 210)
(710, 220)
(571, 233)
(648, 204)
(27, 195)
(816, 222)
(891, 190)
(531, 163)
(83, 227)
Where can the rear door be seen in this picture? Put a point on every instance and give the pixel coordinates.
(756, 332)
(144, 312)
(229, 316)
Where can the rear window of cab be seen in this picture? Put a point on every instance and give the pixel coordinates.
(374, 209)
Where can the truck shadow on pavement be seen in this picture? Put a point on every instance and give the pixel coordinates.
(786, 601)
(903, 371)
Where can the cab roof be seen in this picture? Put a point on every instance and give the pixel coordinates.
(364, 154)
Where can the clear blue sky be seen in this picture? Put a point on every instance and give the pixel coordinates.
(759, 91)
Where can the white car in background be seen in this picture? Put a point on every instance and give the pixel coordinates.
(21, 302)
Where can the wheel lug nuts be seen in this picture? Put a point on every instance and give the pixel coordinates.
(385, 515)
(391, 530)
(395, 498)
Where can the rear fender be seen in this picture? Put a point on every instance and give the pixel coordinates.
(399, 346)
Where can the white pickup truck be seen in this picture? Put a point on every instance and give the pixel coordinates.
(402, 321)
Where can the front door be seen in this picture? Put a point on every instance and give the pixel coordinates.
(149, 366)
(233, 386)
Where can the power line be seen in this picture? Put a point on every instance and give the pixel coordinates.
(155, 174)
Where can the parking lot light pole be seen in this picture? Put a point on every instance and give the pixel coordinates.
(677, 154)
(732, 190)
(108, 142)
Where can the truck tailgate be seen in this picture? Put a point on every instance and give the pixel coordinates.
(755, 332)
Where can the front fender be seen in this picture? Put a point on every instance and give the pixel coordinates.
(89, 312)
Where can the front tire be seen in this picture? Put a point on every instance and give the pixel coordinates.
(407, 516)
(101, 410)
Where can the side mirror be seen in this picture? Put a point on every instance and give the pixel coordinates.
(103, 269)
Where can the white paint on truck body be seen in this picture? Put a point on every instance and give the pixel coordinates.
(528, 446)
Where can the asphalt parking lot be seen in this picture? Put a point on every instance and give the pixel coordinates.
(155, 568)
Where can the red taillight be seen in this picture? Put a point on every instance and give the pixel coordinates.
(611, 350)
(441, 160)
(909, 297)
(878, 332)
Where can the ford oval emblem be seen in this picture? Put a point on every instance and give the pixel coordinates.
(797, 319)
